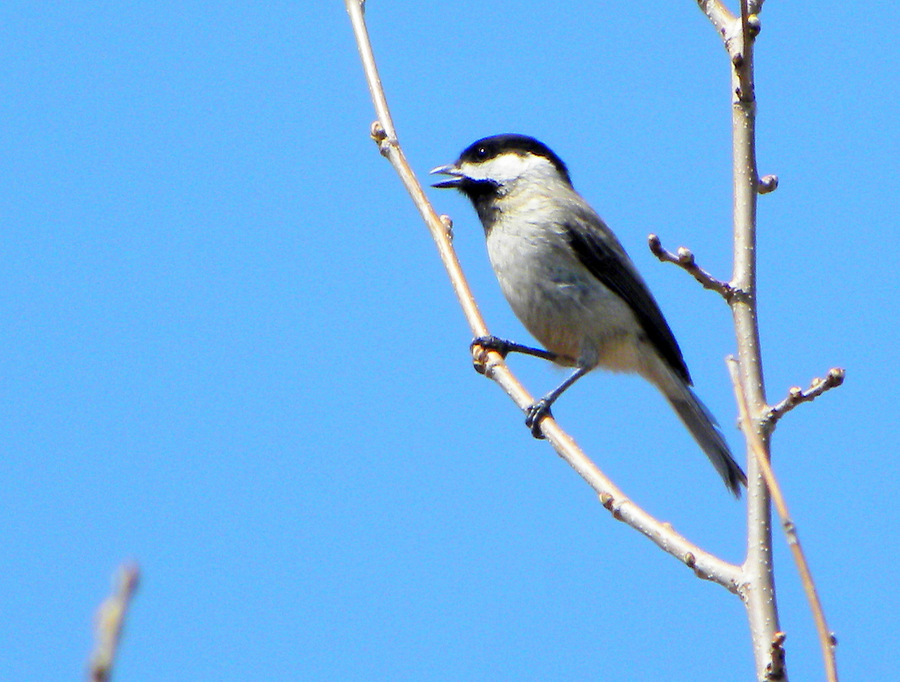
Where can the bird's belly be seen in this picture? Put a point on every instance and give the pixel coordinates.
(570, 312)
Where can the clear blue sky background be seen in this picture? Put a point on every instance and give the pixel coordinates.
(230, 353)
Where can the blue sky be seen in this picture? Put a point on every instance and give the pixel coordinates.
(230, 352)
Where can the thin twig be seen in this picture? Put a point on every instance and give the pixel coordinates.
(110, 620)
(826, 637)
(703, 563)
(796, 395)
(685, 259)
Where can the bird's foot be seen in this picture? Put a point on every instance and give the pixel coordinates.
(494, 343)
(481, 345)
(535, 414)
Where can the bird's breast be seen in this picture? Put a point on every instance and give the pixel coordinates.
(568, 310)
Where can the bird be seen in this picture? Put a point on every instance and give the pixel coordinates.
(569, 280)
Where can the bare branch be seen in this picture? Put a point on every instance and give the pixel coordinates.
(796, 395)
(701, 562)
(738, 34)
(761, 455)
(685, 259)
(110, 621)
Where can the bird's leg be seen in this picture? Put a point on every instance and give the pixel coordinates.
(506, 347)
(536, 412)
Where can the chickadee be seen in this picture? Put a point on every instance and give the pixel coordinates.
(572, 285)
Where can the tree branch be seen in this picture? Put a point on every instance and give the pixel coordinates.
(685, 260)
(738, 34)
(796, 395)
(110, 621)
(757, 417)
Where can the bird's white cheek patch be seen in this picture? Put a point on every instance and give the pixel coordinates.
(508, 167)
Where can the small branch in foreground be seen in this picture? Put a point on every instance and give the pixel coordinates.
(796, 395)
(685, 259)
(109, 622)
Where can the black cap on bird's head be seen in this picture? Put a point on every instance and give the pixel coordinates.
(489, 149)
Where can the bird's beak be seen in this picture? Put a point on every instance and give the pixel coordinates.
(455, 179)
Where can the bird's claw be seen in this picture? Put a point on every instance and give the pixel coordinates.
(535, 414)
(493, 343)
(486, 343)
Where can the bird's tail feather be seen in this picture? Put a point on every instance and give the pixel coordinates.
(705, 431)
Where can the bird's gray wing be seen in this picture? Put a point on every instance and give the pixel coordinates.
(607, 261)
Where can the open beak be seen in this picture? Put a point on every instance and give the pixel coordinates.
(455, 180)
